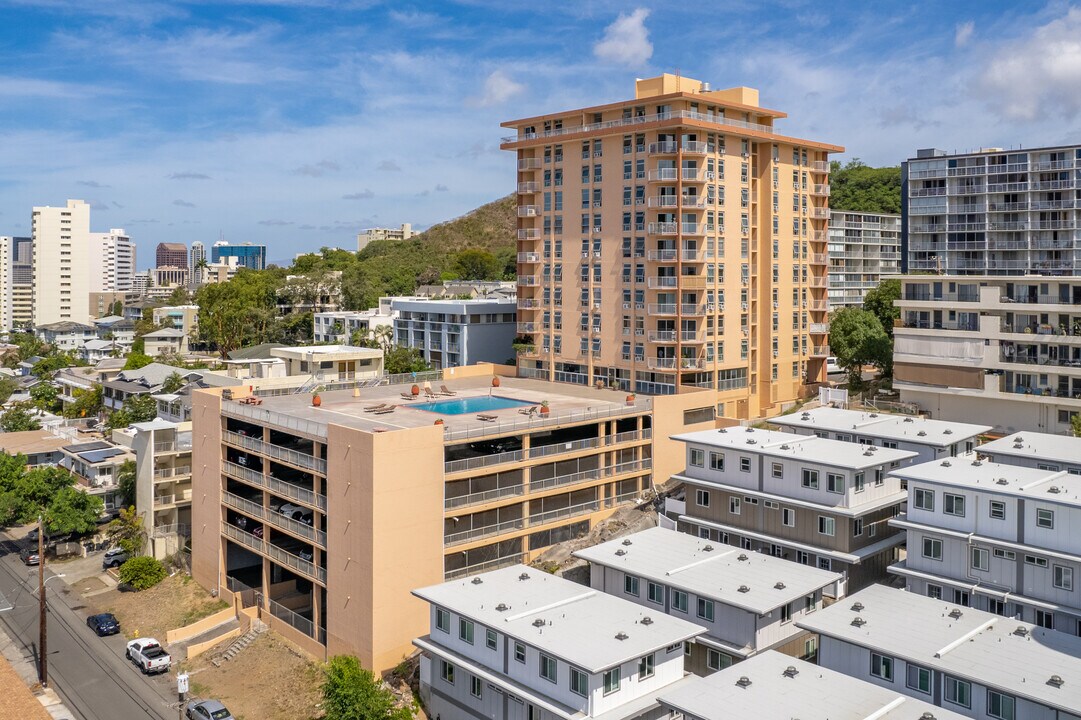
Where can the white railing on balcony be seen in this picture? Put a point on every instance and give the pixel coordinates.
(667, 147)
(173, 472)
(529, 257)
(710, 118)
(529, 163)
(484, 496)
(485, 566)
(172, 446)
(527, 211)
(586, 475)
(276, 452)
(555, 417)
(663, 228)
(528, 281)
(453, 466)
(666, 255)
(528, 233)
(564, 447)
(820, 328)
(663, 174)
(821, 190)
(527, 187)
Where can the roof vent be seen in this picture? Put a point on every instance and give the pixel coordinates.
(523, 576)
(857, 606)
(1056, 681)
(858, 621)
(946, 463)
(791, 671)
(538, 622)
(744, 589)
(921, 433)
(977, 463)
(647, 620)
(722, 430)
(501, 607)
(752, 441)
(908, 419)
(874, 415)
(743, 681)
(947, 431)
(621, 635)
(707, 548)
(1002, 481)
(927, 716)
(1018, 446)
(627, 541)
(1019, 439)
(750, 429)
(785, 446)
(1021, 631)
(476, 581)
(621, 552)
(805, 416)
(779, 585)
(868, 452)
(955, 614)
(741, 557)
(1055, 489)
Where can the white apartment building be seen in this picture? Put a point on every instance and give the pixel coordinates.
(991, 212)
(816, 501)
(772, 686)
(6, 248)
(1005, 350)
(1001, 538)
(61, 262)
(1043, 451)
(961, 659)
(863, 248)
(929, 439)
(197, 255)
(112, 261)
(521, 644)
(747, 602)
(364, 237)
(339, 326)
(455, 333)
(22, 282)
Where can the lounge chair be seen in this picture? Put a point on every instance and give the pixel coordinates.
(529, 411)
(446, 391)
(429, 394)
(373, 408)
(488, 418)
(407, 396)
(384, 411)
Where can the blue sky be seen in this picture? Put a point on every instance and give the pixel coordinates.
(297, 122)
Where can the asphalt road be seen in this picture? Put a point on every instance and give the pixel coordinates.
(91, 674)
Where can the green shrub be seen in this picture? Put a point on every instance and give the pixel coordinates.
(142, 572)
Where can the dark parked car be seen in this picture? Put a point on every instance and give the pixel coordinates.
(103, 624)
(114, 558)
(30, 557)
(208, 710)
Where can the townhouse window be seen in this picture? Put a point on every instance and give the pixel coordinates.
(579, 682)
(465, 630)
(958, 692)
(810, 479)
(857, 482)
(882, 667)
(630, 585)
(1036, 561)
(934, 592)
(1045, 619)
(745, 464)
(490, 639)
(777, 470)
(1004, 554)
(1000, 706)
(655, 593)
(919, 679)
(646, 667)
(716, 461)
(788, 517)
(810, 603)
(519, 652)
(857, 527)
(733, 505)
(932, 548)
(997, 510)
(697, 457)
(475, 686)
(786, 613)
(1063, 577)
(835, 483)
(701, 498)
(611, 681)
(717, 660)
(446, 671)
(679, 600)
(826, 525)
(442, 620)
(705, 609)
(548, 667)
(980, 559)
(953, 504)
(1045, 519)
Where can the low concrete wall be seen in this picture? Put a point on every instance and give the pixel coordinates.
(196, 649)
(201, 626)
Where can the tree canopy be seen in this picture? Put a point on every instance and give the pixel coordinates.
(18, 418)
(879, 301)
(351, 692)
(857, 187)
(857, 339)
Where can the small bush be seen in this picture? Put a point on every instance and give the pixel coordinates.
(142, 572)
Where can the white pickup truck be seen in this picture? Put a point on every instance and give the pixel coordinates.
(149, 656)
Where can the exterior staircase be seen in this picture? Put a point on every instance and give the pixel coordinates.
(258, 627)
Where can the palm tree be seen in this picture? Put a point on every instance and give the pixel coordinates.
(200, 268)
(384, 335)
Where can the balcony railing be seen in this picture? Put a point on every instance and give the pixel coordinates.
(173, 472)
(820, 213)
(820, 350)
(453, 466)
(820, 328)
(295, 562)
(528, 233)
(710, 118)
(172, 446)
(527, 211)
(528, 281)
(483, 496)
(821, 190)
(529, 257)
(485, 566)
(663, 228)
(276, 519)
(662, 336)
(663, 175)
(529, 163)
(527, 187)
(820, 166)
(667, 255)
(276, 452)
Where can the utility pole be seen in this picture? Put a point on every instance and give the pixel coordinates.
(42, 622)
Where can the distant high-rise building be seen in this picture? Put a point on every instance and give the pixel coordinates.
(172, 255)
(198, 253)
(6, 247)
(863, 248)
(61, 262)
(22, 282)
(142, 282)
(364, 237)
(248, 255)
(112, 261)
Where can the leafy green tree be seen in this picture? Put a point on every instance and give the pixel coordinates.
(88, 402)
(136, 409)
(17, 418)
(127, 531)
(45, 397)
(474, 264)
(8, 385)
(351, 692)
(384, 336)
(117, 308)
(47, 366)
(36, 489)
(857, 187)
(857, 339)
(30, 345)
(12, 469)
(137, 360)
(399, 360)
(72, 511)
(879, 300)
(1075, 424)
(125, 480)
(179, 296)
(173, 383)
(142, 572)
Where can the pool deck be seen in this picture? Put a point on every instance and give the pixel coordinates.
(565, 401)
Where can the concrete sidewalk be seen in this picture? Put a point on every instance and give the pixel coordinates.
(20, 694)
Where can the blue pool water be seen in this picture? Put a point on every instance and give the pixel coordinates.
(462, 406)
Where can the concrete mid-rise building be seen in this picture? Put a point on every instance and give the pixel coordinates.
(61, 263)
(863, 248)
(22, 282)
(316, 506)
(370, 235)
(6, 248)
(169, 254)
(112, 262)
(455, 333)
(1005, 350)
(746, 602)
(674, 240)
(1001, 538)
(519, 643)
(961, 659)
(803, 498)
(247, 255)
(991, 212)
(162, 482)
(198, 255)
(179, 317)
(342, 326)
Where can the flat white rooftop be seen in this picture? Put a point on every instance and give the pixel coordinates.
(1012, 656)
(302, 351)
(965, 471)
(772, 686)
(582, 626)
(808, 448)
(904, 428)
(710, 570)
(1037, 446)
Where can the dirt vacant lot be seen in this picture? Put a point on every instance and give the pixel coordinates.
(174, 602)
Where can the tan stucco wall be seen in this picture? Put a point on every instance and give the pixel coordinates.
(206, 514)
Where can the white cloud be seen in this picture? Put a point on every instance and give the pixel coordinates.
(388, 166)
(626, 40)
(362, 195)
(319, 169)
(1037, 75)
(498, 88)
(183, 203)
(963, 33)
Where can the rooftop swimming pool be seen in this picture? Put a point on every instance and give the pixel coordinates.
(463, 406)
